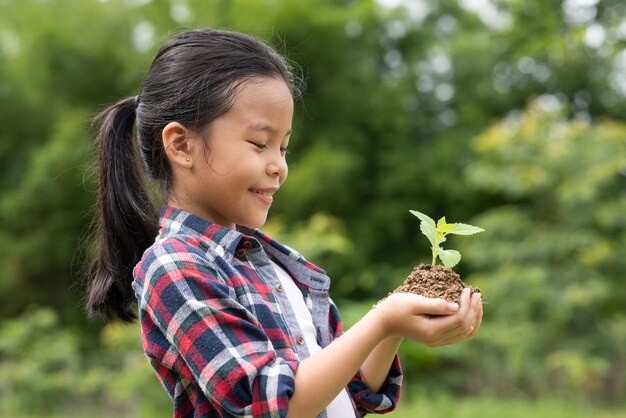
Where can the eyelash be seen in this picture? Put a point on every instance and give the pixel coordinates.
(264, 146)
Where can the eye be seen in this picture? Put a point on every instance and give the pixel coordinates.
(284, 150)
(259, 145)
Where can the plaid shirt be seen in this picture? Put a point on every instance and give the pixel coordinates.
(218, 329)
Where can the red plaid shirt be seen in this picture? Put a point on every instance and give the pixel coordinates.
(220, 334)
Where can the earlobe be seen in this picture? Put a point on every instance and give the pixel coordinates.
(177, 144)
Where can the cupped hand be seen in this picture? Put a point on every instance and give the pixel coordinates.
(432, 322)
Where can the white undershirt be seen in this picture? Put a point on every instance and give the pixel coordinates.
(341, 406)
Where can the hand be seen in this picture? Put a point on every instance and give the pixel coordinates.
(433, 322)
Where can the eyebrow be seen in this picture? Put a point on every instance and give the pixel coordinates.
(261, 126)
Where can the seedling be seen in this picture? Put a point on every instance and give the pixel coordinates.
(436, 234)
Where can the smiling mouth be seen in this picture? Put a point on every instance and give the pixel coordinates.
(267, 193)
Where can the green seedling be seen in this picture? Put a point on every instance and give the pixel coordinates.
(436, 234)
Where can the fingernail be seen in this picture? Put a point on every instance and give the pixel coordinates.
(453, 306)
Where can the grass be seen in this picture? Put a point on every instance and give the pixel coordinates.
(418, 405)
(446, 406)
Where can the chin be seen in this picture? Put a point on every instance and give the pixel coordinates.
(253, 223)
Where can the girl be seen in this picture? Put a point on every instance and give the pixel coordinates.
(234, 323)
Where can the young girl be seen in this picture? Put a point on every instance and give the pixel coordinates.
(234, 323)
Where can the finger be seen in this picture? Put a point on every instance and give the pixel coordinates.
(473, 319)
(465, 301)
(430, 306)
(479, 317)
(454, 334)
(471, 301)
(430, 330)
(460, 325)
(459, 319)
(446, 329)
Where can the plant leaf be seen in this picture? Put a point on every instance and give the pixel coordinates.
(424, 218)
(449, 258)
(463, 229)
(430, 232)
(441, 224)
(427, 226)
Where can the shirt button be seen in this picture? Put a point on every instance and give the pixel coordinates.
(247, 244)
(240, 253)
(279, 287)
(300, 340)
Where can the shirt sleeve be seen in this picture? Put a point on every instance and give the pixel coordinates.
(366, 400)
(223, 348)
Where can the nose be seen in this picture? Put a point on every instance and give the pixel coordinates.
(277, 166)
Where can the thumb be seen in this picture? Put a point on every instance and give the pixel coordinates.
(432, 306)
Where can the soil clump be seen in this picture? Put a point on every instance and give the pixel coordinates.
(435, 282)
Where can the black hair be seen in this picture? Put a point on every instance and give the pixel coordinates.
(192, 80)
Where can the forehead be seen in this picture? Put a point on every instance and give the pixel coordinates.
(265, 95)
(257, 104)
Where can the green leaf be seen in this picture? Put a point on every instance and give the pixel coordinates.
(463, 229)
(441, 224)
(449, 258)
(424, 218)
(427, 226)
(430, 232)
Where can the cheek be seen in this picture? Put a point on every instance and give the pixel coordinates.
(284, 176)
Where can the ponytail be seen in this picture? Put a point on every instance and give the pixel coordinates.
(127, 221)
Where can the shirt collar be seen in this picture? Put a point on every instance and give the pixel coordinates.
(174, 221)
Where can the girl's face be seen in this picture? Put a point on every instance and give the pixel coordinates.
(234, 182)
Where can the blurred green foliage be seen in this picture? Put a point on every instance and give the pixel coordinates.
(554, 253)
(509, 116)
(443, 405)
(44, 370)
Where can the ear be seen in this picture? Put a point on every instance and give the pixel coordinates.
(178, 144)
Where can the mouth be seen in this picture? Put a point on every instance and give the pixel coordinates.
(265, 195)
(264, 192)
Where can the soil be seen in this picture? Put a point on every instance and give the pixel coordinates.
(435, 282)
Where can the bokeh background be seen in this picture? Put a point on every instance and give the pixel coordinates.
(506, 114)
